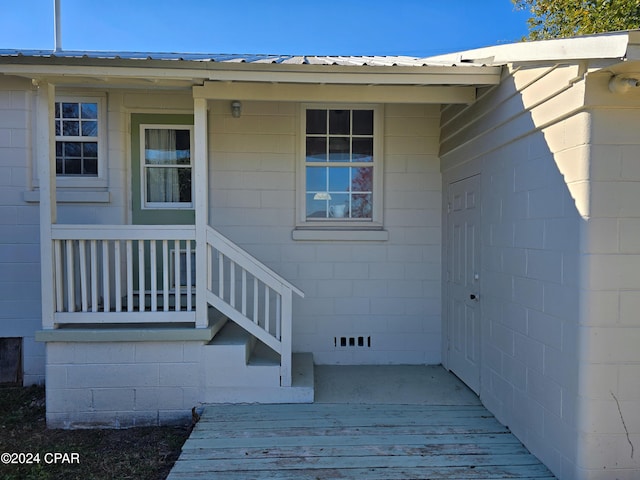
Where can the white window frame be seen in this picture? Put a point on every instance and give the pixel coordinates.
(88, 181)
(376, 221)
(144, 205)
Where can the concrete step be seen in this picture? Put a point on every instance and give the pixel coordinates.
(230, 347)
(301, 390)
(240, 368)
(263, 356)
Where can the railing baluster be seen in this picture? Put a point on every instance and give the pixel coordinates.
(188, 270)
(244, 292)
(57, 252)
(71, 294)
(153, 263)
(267, 315)
(176, 275)
(142, 296)
(256, 293)
(232, 283)
(165, 275)
(129, 245)
(117, 265)
(94, 275)
(105, 276)
(278, 318)
(209, 268)
(221, 275)
(83, 276)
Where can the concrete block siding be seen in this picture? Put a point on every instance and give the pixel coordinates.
(530, 235)
(386, 291)
(558, 262)
(19, 230)
(123, 384)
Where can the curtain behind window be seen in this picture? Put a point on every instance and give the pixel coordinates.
(161, 160)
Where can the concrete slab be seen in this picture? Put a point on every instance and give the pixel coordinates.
(390, 384)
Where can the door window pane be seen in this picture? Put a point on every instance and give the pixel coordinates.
(167, 164)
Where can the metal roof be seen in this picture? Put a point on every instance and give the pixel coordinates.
(377, 61)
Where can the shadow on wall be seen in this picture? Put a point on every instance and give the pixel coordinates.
(538, 150)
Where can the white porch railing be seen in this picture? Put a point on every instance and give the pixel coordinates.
(146, 274)
(123, 273)
(252, 295)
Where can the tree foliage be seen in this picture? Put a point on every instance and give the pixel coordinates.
(567, 18)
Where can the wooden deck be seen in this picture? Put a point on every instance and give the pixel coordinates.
(353, 441)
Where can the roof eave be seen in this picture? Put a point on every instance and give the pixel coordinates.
(613, 45)
(69, 70)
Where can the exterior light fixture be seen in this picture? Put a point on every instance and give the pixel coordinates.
(236, 109)
(623, 84)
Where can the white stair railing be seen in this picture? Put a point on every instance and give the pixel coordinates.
(252, 295)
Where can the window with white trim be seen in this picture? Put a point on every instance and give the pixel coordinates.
(341, 172)
(78, 125)
(166, 165)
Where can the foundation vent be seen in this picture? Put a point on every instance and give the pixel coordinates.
(361, 341)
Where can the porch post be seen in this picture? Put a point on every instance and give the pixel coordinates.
(45, 155)
(201, 177)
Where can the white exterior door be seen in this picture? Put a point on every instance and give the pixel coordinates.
(463, 284)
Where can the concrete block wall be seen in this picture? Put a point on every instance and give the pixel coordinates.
(386, 291)
(20, 314)
(530, 156)
(123, 384)
(610, 321)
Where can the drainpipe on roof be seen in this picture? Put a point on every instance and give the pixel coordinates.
(57, 27)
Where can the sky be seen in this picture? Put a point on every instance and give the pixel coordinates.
(417, 28)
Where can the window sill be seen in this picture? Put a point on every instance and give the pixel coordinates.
(342, 235)
(62, 196)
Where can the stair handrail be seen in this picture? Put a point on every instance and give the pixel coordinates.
(251, 264)
(280, 343)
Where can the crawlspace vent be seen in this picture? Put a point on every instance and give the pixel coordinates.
(347, 342)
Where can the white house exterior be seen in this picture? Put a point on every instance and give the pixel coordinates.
(478, 210)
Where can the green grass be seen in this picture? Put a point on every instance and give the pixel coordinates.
(136, 453)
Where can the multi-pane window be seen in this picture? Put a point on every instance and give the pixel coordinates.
(76, 125)
(166, 165)
(339, 164)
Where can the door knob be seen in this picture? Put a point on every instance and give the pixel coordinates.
(473, 296)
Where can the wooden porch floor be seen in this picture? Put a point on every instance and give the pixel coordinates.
(422, 440)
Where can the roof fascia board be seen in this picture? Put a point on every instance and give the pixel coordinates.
(288, 92)
(362, 75)
(606, 45)
(461, 76)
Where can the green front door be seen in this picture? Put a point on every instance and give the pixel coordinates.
(162, 190)
(161, 169)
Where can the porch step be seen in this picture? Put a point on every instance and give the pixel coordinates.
(240, 369)
(263, 356)
(232, 346)
(300, 391)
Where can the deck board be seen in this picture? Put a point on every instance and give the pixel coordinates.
(353, 441)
